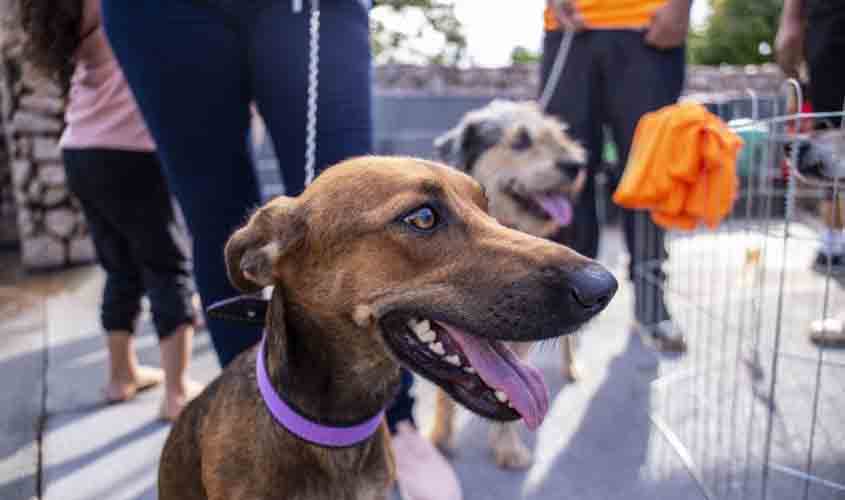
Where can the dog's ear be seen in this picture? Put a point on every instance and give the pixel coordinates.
(253, 250)
(462, 145)
(446, 146)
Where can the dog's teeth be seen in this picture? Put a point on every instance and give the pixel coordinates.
(454, 359)
(469, 369)
(438, 349)
(501, 396)
(422, 329)
(426, 336)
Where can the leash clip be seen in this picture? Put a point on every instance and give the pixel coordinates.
(250, 309)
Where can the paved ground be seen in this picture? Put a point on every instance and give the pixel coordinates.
(58, 442)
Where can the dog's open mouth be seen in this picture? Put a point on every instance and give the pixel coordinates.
(545, 206)
(482, 374)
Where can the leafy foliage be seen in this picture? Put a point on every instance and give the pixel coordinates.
(736, 32)
(522, 55)
(398, 26)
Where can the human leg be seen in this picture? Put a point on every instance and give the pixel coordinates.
(192, 84)
(158, 241)
(825, 43)
(344, 104)
(652, 78)
(577, 104)
(92, 176)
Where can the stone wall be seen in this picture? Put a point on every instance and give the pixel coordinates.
(8, 219)
(51, 227)
(522, 81)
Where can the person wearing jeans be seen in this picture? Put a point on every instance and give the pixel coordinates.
(195, 67)
(626, 59)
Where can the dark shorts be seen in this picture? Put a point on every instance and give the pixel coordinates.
(140, 237)
(825, 50)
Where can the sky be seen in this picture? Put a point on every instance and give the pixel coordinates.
(494, 27)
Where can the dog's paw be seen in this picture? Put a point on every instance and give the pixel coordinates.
(571, 371)
(509, 452)
(513, 455)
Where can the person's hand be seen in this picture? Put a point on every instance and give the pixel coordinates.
(789, 45)
(567, 15)
(669, 25)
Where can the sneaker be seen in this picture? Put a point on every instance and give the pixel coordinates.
(422, 473)
(829, 332)
(664, 336)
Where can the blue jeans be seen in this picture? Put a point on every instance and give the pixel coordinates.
(195, 66)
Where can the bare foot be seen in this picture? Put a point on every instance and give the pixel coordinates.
(508, 449)
(146, 377)
(174, 402)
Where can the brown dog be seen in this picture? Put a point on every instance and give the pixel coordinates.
(373, 248)
(532, 172)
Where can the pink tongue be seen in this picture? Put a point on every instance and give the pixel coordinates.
(500, 369)
(557, 206)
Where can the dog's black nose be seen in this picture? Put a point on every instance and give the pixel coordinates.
(587, 290)
(593, 287)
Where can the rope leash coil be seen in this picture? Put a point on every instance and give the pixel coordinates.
(313, 81)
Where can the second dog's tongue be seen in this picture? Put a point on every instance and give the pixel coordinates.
(501, 369)
(557, 206)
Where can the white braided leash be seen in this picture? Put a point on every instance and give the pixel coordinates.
(313, 80)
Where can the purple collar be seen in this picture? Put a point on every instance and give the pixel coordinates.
(287, 417)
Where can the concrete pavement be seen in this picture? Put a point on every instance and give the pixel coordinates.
(59, 442)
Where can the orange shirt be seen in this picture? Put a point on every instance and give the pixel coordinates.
(610, 14)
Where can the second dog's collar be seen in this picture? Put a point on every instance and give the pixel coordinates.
(302, 427)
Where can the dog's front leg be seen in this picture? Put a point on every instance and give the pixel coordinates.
(569, 368)
(508, 449)
(444, 416)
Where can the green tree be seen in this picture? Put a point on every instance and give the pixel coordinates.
(738, 32)
(394, 37)
(522, 55)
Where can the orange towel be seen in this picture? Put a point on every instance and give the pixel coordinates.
(682, 167)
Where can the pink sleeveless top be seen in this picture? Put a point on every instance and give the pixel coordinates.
(101, 111)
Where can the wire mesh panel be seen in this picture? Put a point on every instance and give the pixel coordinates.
(756, 409)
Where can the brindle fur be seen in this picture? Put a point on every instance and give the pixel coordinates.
(483, 145)
(339, 262)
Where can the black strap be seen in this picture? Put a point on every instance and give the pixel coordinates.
(244, 308)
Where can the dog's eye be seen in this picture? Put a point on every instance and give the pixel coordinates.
(522, 141)
(424, 219)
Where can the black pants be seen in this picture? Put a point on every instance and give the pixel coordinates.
(140, 238)
(612, 78)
